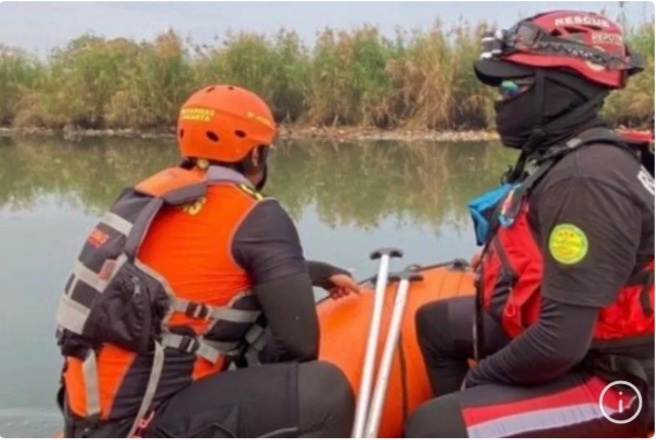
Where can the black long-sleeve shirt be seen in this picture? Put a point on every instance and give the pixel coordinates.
(266, 244)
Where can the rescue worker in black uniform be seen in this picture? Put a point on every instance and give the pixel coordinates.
(565, 290)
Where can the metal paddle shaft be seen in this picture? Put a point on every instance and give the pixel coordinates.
(382, 381)
(366, 380)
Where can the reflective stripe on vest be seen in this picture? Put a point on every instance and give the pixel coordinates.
(117, 223)
(92, 390)
(86, 283)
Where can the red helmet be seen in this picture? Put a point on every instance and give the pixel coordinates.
(587, 43)
(224, 123)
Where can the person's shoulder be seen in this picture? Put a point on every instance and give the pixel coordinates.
(268, 209)
(267, 243)
(602, 163)
(605, 157)
(268, 218)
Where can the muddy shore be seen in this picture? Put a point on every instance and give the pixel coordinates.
(286, 132)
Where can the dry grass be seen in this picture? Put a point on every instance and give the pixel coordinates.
(419, 79)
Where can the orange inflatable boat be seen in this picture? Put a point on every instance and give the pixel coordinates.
(345, 327)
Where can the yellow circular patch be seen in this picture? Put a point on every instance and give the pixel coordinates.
(568, 244)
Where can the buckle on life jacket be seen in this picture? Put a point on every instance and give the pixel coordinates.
(84, 427)
(197, 310)
(189, 344)
(90, 424)
(505, 221)
(142, 425)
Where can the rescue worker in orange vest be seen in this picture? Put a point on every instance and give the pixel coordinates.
(184, 279)
(565, 288)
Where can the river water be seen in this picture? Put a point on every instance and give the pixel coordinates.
(346, 199)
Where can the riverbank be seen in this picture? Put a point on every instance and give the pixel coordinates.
(286, 132)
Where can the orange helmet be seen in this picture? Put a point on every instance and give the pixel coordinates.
(224, 123)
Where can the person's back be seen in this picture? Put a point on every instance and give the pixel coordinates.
(189, 265)
(188, 246)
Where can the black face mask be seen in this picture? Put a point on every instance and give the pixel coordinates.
(515, 118)
(568, 105)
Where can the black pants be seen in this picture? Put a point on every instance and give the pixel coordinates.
(312, 399)
(565, 407)
(280, 400)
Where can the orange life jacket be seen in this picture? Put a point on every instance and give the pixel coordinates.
(155, 299)
(512, 269)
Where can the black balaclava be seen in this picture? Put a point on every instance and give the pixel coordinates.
(558, 106)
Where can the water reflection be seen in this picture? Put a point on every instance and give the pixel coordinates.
(355, 185)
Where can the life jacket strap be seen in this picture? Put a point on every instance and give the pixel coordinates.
(202, 311)
(257, 337)
(645, 297)
(151, 388)
(209, 350)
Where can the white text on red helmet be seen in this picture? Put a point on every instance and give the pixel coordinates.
(582, 19)
(603, 37)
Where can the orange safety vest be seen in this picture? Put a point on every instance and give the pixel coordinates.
(512, 270)
(155, 299)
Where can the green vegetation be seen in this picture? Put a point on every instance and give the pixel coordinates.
(635, 104)
(356, 78)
